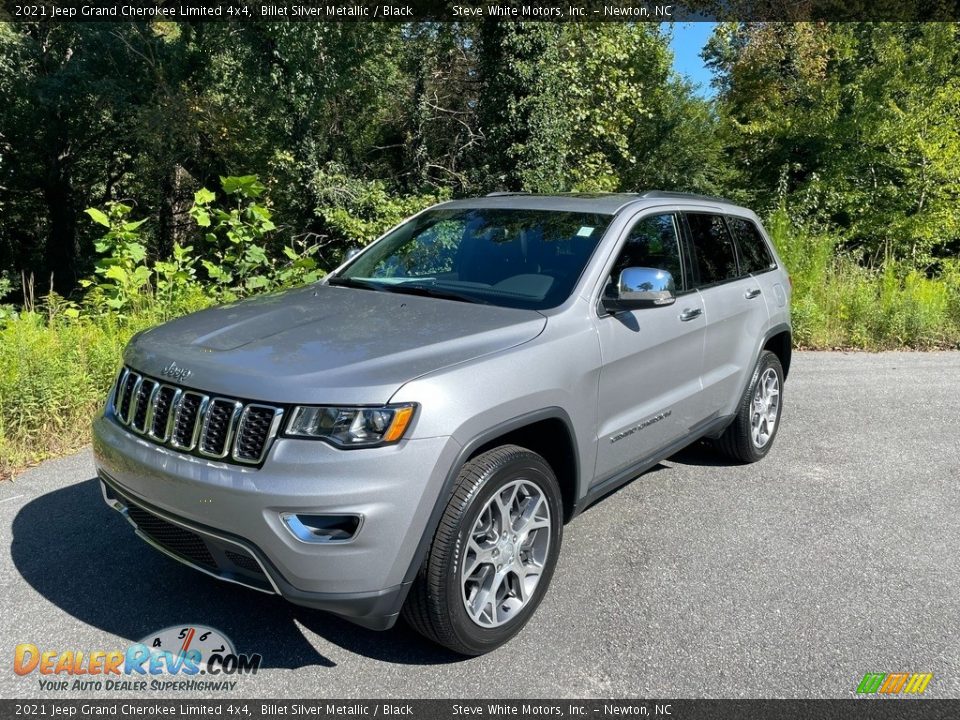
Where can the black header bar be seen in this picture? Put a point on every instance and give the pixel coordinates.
(471, 10)
(623, 709)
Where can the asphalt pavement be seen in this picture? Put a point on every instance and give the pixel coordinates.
(837, 555)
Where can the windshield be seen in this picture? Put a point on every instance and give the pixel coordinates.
(514, 258)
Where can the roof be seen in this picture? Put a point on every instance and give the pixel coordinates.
(600, 203)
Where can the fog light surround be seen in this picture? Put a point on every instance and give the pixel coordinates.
(323, 529)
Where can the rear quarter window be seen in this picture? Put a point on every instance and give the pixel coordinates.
(755, 256)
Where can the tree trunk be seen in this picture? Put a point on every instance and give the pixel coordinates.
(62, 250)
(174, 211)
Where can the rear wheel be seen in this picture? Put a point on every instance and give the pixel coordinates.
(493, 555)
(750, 436)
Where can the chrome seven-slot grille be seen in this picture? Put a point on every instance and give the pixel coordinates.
(193, 422)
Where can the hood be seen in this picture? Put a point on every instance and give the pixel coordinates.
(327, 345)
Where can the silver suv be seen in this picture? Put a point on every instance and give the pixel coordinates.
(411, 434)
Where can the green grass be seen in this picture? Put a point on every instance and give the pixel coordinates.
(837, 303)
(55, 372)
(52, 378)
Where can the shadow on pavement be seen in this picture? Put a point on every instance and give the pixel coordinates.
(701, 454)
(600, 500)
(86, 560)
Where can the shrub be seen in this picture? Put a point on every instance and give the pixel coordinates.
(239, 239)
(838, 303)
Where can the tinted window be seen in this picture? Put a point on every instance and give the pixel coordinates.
(653, 243)
(713, 251)
(754, 255)
(516, 258)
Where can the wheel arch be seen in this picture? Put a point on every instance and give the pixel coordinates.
(548, 432)
(552, 438)
(779, 341)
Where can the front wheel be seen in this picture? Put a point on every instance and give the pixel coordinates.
(493, 555)
(750, 436)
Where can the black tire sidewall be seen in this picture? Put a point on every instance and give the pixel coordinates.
(531, 468)
(767, 360)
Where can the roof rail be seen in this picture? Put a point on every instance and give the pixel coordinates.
(666, 194)
(504, 193)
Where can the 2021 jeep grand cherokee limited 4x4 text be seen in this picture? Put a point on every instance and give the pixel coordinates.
(411, 434)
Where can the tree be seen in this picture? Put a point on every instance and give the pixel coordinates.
(588, 107)
(349, 125)
(71, 96)
(854, 127)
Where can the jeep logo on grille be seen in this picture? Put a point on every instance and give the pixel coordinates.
(175, 372)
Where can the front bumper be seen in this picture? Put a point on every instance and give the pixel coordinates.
(226, 520)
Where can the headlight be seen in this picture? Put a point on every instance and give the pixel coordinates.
(351, 426)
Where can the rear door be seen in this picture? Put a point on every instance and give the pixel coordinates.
(650, 379)
(736, 313)
(757, 260)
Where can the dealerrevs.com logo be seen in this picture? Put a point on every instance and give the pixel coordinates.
(169, 660)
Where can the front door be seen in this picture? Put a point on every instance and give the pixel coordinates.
(652, 357)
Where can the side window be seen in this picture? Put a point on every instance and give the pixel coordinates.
(754, 254)
(714, 255)
(653, 242)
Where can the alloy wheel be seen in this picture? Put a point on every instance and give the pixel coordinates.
(766, 408)
(506, 552)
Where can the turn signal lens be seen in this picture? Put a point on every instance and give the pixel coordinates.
(401, 418)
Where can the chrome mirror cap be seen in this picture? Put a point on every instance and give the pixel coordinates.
(642, 286)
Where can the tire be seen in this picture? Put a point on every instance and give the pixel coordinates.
(746, 440)
(469, 542)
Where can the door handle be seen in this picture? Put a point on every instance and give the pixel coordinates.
(690, 314)
(750, 294)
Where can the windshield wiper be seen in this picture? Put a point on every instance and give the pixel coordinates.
(403, 288)
(408, 289)
(339, 281)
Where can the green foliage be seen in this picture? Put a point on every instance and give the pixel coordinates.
(855, 126)
(589, 107)
(176, 278)
(238, 242)
(839, 303)
(54, 374)
(356, 211)
(846, 136)
(124, 278)
(125, 281)
(240, 256)
(7, 311)
(235, 237)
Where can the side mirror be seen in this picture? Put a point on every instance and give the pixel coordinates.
(641, 287)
